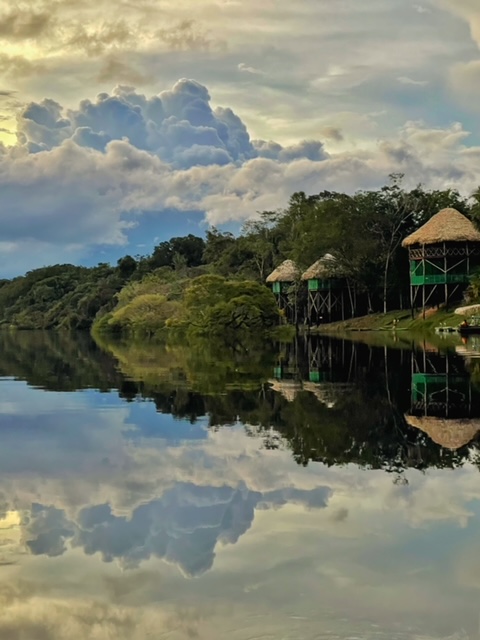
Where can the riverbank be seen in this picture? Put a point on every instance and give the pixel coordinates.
(398, 320)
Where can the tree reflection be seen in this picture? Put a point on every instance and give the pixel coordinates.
(326, 400)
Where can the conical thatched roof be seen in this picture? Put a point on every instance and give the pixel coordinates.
(449, 434)
(448, 225)
(286, 272)
(326, 267)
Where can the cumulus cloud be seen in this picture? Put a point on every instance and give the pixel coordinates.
(82, 176)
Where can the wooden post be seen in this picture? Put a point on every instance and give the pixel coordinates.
(423, 286)
(445, 273)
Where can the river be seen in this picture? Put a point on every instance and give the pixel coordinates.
(324, 489)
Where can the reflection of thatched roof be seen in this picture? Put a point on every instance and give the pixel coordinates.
(470, 350)
(448, 225)
(449, 434)
(286, 272)
(328, 393)
(326, 267)
(288, 388)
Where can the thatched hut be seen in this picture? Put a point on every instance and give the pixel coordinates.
(449, 434)
(442, 254)
(283, 281)
(326, 286)
(285, 273)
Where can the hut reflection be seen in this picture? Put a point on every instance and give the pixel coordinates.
(444, 403)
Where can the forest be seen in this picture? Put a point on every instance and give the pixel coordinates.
(215, 284)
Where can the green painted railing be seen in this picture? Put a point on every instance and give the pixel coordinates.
(441, 278)
(323, 284)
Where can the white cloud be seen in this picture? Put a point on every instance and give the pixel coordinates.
(245, 68)
(411, 81)
(77, 174)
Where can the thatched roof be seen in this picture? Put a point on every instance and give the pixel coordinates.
(326, 267)
(288, 388)
(470, 310)
(449, 434)
(448, 225)
(286, 272)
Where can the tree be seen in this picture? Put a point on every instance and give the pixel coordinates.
(190, 247)
(126, 266)
(387, 213)
(213, 305)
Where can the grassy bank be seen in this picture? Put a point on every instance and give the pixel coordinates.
(386, 322)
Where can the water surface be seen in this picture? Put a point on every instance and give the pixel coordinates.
(324, 489)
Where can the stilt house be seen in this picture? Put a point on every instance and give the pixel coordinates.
(283, 281)
(443, 254)
(326, 291)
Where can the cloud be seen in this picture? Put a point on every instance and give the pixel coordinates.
(468, 10)
(114, 70)
(95, 41)
(464, 80)
(174, 151)
(20, 25)
(245, 68)
(182, 527)
(420, 8)
(332, 133)
(410, 81)
(17, 66)
(188, 35)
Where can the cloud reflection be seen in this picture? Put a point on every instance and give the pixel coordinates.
(182, 527)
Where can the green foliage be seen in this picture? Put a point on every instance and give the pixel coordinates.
(190, 248)
(213, 305)
(472, 294)
(145, 314)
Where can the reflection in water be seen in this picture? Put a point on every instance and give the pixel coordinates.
(326, 506)
(444, 402)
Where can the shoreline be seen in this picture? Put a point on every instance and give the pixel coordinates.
(380, 322)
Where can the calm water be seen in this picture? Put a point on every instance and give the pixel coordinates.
(318, 490)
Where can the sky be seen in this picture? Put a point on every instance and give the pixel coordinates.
(125, 123)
